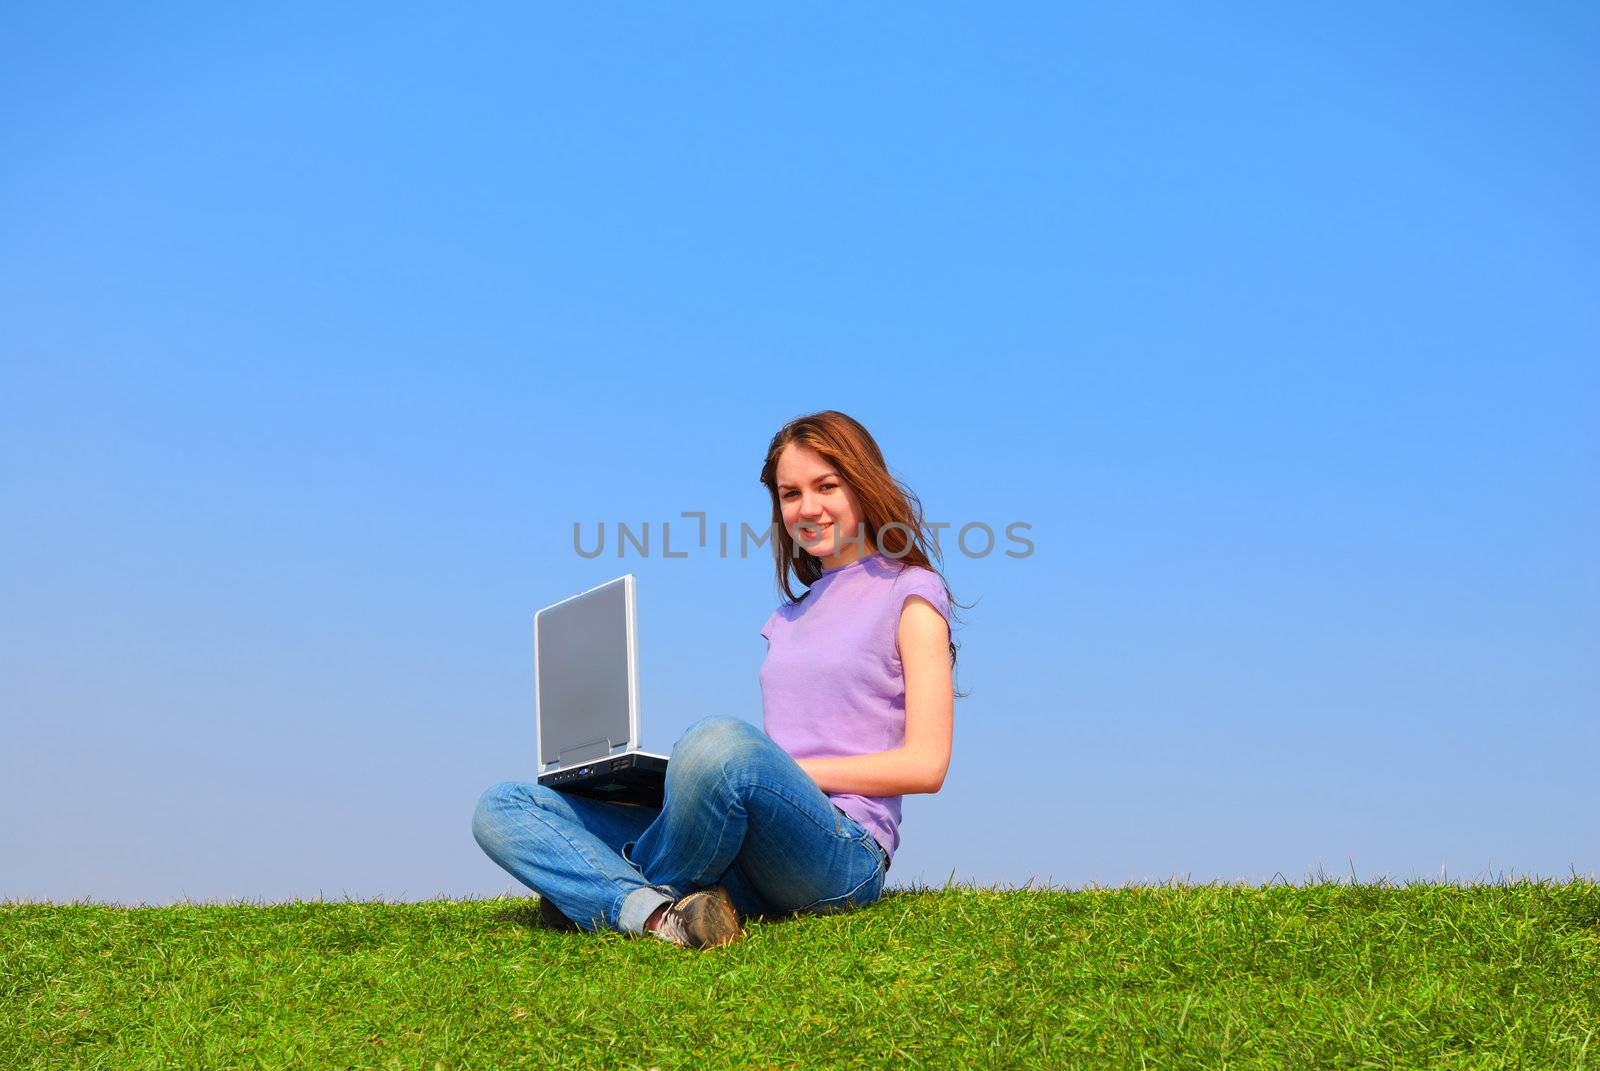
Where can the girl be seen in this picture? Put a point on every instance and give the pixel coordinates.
(857, 702)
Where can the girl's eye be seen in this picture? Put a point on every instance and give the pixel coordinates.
(823, 487)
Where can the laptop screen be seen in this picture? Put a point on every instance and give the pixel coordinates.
(584, 665)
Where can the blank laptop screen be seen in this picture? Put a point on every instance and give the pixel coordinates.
(584, 677)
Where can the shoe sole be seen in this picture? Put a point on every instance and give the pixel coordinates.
(550, 917)
(708, 918)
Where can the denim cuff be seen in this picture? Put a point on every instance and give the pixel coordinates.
(637, 906)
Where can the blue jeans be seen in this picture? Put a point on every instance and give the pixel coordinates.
(737, 812)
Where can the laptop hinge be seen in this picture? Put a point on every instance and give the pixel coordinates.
(595, 749)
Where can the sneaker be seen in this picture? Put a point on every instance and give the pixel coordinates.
(550, 917)
(703, 919)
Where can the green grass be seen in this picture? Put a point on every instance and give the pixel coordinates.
(1322, 975)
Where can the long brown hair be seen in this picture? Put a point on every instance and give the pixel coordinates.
(891, 511)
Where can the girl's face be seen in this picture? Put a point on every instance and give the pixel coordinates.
(819, 508)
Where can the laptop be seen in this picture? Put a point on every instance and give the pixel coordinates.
(586, 690)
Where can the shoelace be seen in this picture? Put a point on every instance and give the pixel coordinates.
(670, 928)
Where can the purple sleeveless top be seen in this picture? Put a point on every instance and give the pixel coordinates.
(832, 684)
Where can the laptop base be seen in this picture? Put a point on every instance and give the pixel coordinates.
(636, 777)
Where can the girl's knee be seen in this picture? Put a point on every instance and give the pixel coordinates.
(500, 801)
(716, 738)
(714, 747)
(491, 805)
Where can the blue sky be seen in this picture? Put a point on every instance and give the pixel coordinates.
(321, 329)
